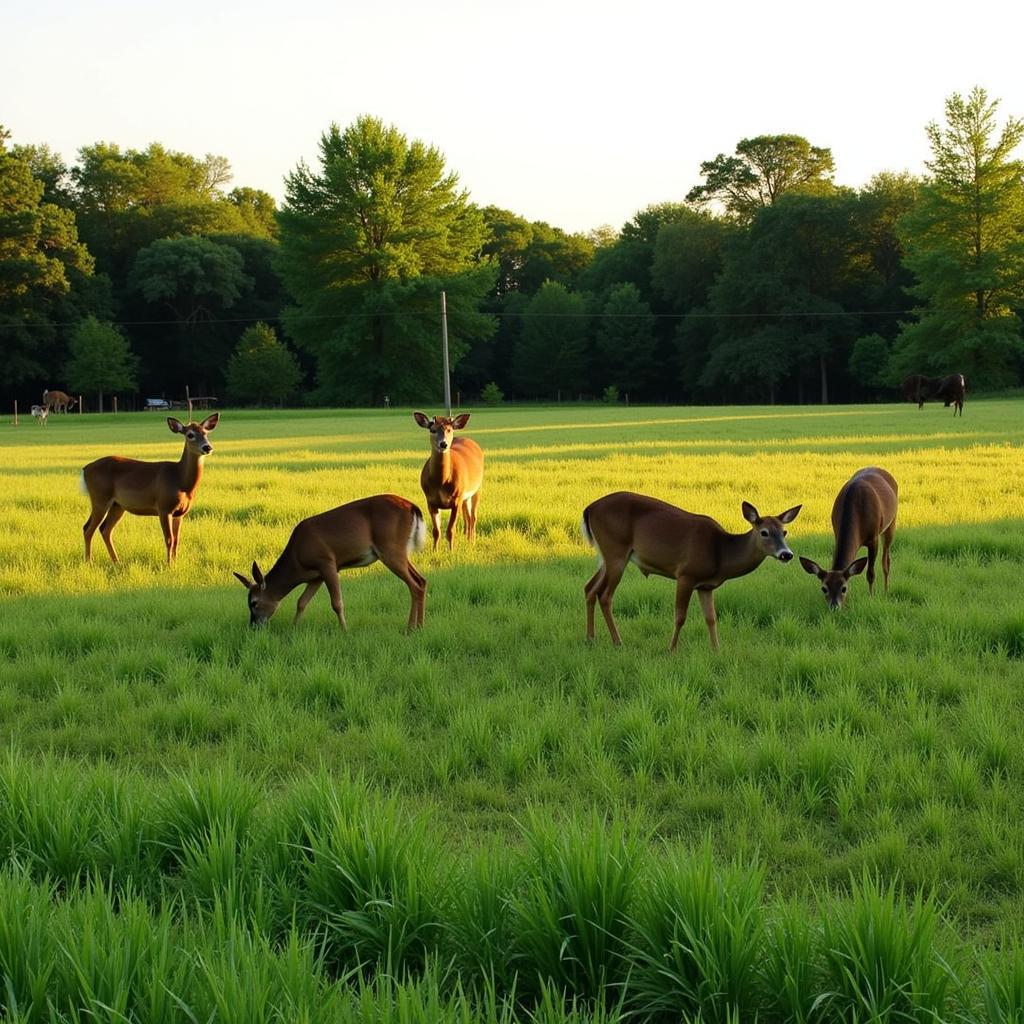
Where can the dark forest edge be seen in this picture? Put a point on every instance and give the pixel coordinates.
(138, 273)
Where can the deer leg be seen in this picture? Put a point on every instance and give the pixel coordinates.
(94, 520)
(107, 528)
(707, 604)
(684, 591)
(474, 502)
(590, 592)
(165, 525)
(435, 520)
(329, 572)
(450, 532)
(872, 553)
(305, 597)
(422, 581)
(398, 563)
(887, 537)
(175, 533)
(606, 593)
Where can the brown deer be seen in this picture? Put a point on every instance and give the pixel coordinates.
(864, 509)
(385, 527)
(57, 401)
(662, 539)
(453, 475)
(116, 485)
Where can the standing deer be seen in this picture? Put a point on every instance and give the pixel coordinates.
(950, 389)
(864, 509)
(116, 485)
(384, 527)
(57, 401)
(453, 475)
(40, 412)
(665, 540)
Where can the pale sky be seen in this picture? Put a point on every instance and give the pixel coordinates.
(577, 113)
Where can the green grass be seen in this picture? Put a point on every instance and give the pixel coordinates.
(880, 742)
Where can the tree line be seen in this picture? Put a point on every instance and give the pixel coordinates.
(139, 272)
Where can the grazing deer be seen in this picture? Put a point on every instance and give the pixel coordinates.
(57, 401)
(40, 412)
(116, 485)
(667, 541)
(453, 475)
(950, 389)
(384, 527)
(864, 509)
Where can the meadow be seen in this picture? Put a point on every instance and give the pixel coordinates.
(490, 818)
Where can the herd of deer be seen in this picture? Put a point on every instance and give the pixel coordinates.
(623, 527)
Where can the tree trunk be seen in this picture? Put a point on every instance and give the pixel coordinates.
(824, 379)
(101, 401)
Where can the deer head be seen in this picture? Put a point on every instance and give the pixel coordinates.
(195, 433)
(770, 531)
(261, 605)
(834, 582)
(442, 428)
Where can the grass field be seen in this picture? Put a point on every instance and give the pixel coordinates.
(815, 763)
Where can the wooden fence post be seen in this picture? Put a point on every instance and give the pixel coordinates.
(15, 412)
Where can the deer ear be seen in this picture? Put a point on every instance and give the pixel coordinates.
(244, 580)
(210, 422)
(258, 577)
(790, 514)
(812, 567)
(750, 514)
(422, 419)
(175, 425)
(460, 421)
(855, 568)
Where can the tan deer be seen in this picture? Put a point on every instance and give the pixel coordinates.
(116, 485)
(664, 540)
(453, 475)
(864, 509)
(385, 528)
(57, 401)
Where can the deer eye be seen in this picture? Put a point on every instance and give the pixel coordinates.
(824, 590)
(844, 588)
(764, 533)
(785, 533)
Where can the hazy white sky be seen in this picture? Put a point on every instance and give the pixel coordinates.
(577, 113)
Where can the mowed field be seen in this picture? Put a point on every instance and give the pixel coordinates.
(815, 752)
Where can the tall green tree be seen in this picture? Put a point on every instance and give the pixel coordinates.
(368, 241)
(626, 342)
(262, 370)
(102, 361)
(551, 356)
(40, 254)
(965, 244)
(762, 170)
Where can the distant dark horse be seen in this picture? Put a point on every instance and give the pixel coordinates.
(917, 388)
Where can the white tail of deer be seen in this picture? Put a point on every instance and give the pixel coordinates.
(664, 540)
(864, 510)
(385, 528)
(116, 485)
(453, 475)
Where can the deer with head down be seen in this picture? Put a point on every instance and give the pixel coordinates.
(663, 540)
(453, 475)
(864, 510)
(385, 528)
(116, 485)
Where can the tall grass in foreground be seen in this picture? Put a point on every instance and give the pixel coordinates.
(334, 906)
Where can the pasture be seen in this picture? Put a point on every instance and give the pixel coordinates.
(876, 751)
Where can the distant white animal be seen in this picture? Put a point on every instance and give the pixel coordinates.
(41, 412)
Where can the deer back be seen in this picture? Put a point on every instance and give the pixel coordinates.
(864, 507)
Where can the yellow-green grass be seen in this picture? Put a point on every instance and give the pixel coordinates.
(884, 738)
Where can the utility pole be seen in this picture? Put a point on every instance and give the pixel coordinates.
(444, 349)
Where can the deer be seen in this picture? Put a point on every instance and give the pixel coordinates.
(663, 540)
(116, 485)
(40, 412)
(864, 509)
(57, 401)
(384, 528)
(950, 389)
(452, 476)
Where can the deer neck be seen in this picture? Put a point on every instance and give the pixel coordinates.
(848, 540)
(284, 575)
(190, 470)
(441, 470)
(739, 554)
